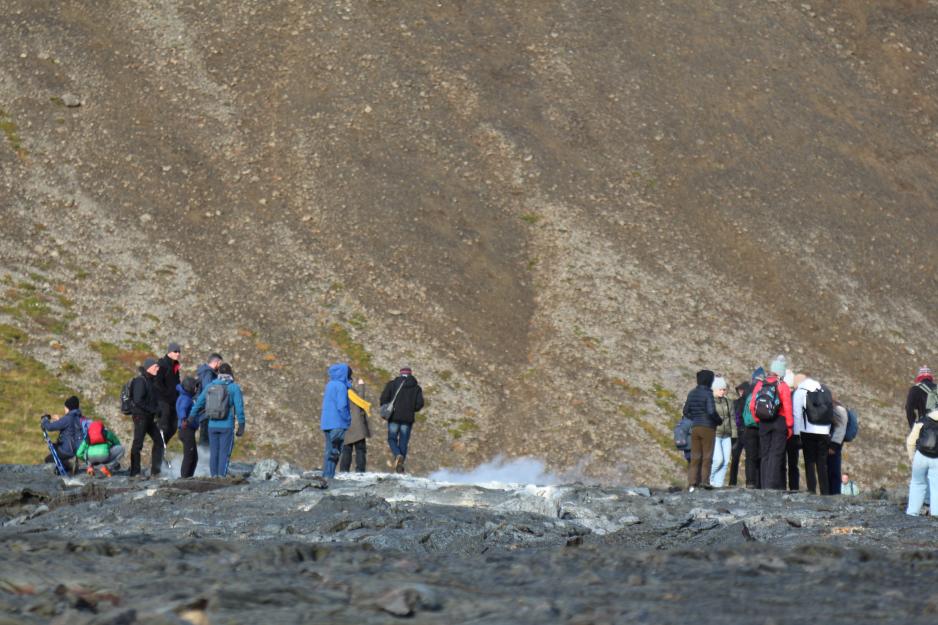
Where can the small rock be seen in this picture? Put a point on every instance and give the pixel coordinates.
(265, 469)
(71, 100)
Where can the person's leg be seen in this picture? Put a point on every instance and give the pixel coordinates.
(167, 420)
(736, 452)
(333, 450)
(345, 459)
(706, 462)
(772, 445)
(140, 430)
(833, 470)
(809, 448)
(227, 447)
(190, 454)
(361, 451)
(215, 451)
(114, 456)
(717, 455)
(696, 457)
(722, 450)
(791, 455)
(394, 432)
(156, 456)
(751, 441)
(203, 434)
(917, 484)
(932, 483)
(404, 440)
(824, 485)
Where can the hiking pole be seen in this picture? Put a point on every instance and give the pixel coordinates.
(60, 468)
(162, 438)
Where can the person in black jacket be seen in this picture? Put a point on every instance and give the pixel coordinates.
(918, 396)
(165, 382)
(701, 409)
(407, 396)
(144, 409)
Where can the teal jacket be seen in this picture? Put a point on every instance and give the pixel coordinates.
(235, 405)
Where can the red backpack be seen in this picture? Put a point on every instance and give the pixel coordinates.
(96, 433)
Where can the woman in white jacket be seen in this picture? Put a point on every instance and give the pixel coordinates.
(815, 439)
(922, 445)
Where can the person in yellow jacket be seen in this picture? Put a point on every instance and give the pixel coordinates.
(358, 431)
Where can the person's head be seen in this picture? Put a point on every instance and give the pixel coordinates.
(215, 360)
(798, 379)
(758, 374)
(924, 373)
(705, 377)
(742, 388)
(174, 350)
(189, 384)
(406, 371)
(349, 373)
(151, 366)
(71, 403)
(225, 369)
(718, 386)
(844, 477)
(779, 366)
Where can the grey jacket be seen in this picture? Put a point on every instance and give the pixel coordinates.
(359, 429)
(839, 427)
(724, 407)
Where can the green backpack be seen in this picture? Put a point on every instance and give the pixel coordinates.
(748, 421)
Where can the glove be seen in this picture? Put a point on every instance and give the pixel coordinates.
(240, 431)
(44, 421)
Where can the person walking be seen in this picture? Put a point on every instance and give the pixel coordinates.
(205, 374)
(358, 432)
(223, 403)
(405, 392)
(922, 446)
(144, 409)
(70, 429)
(917, 399)
(815, 435)
(770, 405)
(700, 408)
(724, 435)
(335, 417)
(165, 383)
(187, 427)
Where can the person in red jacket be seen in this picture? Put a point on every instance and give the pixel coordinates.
(775, 423)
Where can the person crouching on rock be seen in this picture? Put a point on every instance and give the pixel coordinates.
(222, 402)
(101, 448)
(701, 409)
(69, 426)
(187, 427)
(335, 417)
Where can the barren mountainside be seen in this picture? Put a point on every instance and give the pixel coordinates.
(554, 211)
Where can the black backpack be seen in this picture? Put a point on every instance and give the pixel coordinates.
(927, 443)
(767, 402)
(819, 406)
(127, 402)
(216, 402)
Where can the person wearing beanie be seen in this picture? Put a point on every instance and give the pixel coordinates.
(724, 434)
(70, 429)
(187, 428)
(144, 408)
(407, 396)
(165, 383)
(916, 402)
(773, 398)
(700, 409)
(221, 403)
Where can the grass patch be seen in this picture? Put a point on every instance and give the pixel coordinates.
(459, 428)
(664, 440)
(120, 363)
(632, 391)
(360, 359)
(27, 391)
(25, 303)
(446, 376)
(70, 368)
(8, 128)
(358, 321)
(530, 218)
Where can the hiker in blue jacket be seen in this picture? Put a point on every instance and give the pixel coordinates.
(70, 431)
(221, 428)
(190, 451)
(335, 417)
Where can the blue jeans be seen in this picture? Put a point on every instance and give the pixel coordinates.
(924, 480)
(722, 453)
(333, 449)
(220, 444)
(398, 437)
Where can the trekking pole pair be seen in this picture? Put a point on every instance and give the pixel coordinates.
(55, 455)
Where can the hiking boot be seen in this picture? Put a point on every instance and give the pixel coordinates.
(105, 471)
(90, 471)
(399, 464)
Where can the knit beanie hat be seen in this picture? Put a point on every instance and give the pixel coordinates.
(779, 365)
(718, 383)
(406, 371)
(758, 374)
(149, 362)
(72, 403)
(924, 371)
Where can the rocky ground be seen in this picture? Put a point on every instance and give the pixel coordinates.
(277, 544)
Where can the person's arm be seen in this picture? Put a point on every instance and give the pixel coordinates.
(237, 400)
(111, 438)
(911, 414)
(798, 401)
(752, 400)
(911, 439)
(82, 452)
(785, 393)
(386, 393)
(58, 425)
(711, 409)
(418, 405)
(198, 406)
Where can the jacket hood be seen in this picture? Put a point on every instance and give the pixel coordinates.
(340, 373)
(182, 390)
(705, 377)
(744, 388)
(409, 380)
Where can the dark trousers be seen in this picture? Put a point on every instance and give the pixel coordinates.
(146, 426)
(833, 469)
(167, 420)
(63, 458)
(790, 460)
(753, 459)
(701, 455)
(203, 432)
(814, 447)
(772, 440)
(345, 460)
(190, 452)
(734, 460)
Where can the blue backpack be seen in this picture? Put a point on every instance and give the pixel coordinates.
(853, 426)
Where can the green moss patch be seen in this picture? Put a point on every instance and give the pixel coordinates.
(360, 359)
(9, 130)
(120, 363)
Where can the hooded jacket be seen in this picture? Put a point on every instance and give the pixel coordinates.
(799, 404)
(409, 401)
(784, 396)
(335, 414)
(235, 406)
(86, 449)
(724, 408)
(699, 406)
(739, 405)
(70, 431)
(915, 401)
(166, 380)
(183, 406)
(359, 429)
(917, 429)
